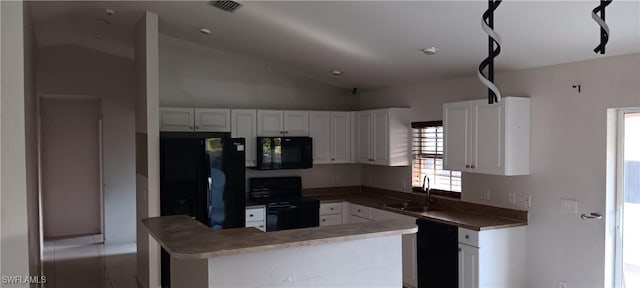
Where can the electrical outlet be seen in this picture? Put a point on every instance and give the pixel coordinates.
(512, 198)
(562, 284)
(527, 200)
(485, 194)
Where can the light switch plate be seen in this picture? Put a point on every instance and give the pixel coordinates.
(512, 198)
(527, 200)
(568, 206)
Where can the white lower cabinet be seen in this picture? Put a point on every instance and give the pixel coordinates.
(467, 266)
(359, 213)
(492, 258)
(326, 220)
(331, 213)
(255, 217)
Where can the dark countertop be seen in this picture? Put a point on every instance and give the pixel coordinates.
(473, 221)
(186, 238)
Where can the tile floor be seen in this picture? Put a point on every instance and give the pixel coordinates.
(85, 262)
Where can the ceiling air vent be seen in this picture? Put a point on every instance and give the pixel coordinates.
(229, 6)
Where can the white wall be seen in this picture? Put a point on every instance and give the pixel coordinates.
(75, 70)
(568, 156)
(70, 166)
(14, 239)
(147, 146)
(32, 147)
(194, 75)
(333, 175)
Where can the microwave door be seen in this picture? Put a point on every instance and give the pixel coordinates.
(277, 150)
(290, 153)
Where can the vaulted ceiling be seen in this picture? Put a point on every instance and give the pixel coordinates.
(374, 43)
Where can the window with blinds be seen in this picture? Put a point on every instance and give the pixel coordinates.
(427, 151)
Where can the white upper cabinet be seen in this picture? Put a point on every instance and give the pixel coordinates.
(174, 119)
(320, 132)
(383, 137)
(243, 125)
(273, 123)
(296, 123)
(457, 134)
(363, 119)
(331, 134)
(487, 138)
(212, 120)
(380, 149)
(340, 137)
(270, 123)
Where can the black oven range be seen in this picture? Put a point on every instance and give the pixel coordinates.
(285, 206)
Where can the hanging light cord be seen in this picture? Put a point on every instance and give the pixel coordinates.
(604, 28)
(494, 38)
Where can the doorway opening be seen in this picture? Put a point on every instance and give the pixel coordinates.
(627, 199)
(71, 166)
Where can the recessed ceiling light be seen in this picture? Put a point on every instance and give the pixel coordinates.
(205, 31)
(336, 72)
(430, 51)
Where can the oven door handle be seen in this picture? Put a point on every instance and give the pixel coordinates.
(283, 206)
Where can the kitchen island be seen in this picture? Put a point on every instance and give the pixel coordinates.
(353, 255)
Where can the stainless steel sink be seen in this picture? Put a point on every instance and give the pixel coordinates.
(413, 207)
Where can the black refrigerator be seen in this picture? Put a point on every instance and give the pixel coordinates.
(202, 175)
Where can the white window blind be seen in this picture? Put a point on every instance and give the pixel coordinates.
(427, 150)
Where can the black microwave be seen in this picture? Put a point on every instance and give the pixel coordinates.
(284, 153)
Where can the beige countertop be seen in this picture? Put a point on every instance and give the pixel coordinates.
(474, 221)
(186, 238)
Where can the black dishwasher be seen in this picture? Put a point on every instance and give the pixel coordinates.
(437, 254)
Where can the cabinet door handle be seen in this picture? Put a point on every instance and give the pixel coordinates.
(286, 132)
(197, 127)
(331, 208)
(459, 249)
(466, 236)
(250, 215)
(473, 166)
(333, 159)
(324, 220)
(191, 127)
(467, 166)
(359, 211)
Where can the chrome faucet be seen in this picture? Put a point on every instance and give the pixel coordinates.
(426, 187)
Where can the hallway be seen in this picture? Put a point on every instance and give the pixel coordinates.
(85, 262)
